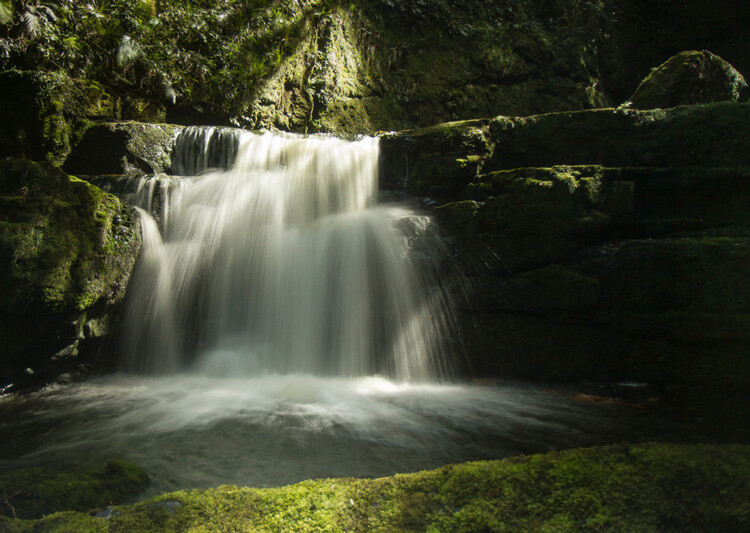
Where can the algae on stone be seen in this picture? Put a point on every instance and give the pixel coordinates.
(42, 110)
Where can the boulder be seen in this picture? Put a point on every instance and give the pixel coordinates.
(119, 147)
(67, 250)
(690, 77)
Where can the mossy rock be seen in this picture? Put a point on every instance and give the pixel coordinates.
(690, 77)
(43, 112)
(711, 135)
(437, 159)
(442, 174)
(641, 487)
(67, 250)
(36, 492)
(118, 147)
(533, 216)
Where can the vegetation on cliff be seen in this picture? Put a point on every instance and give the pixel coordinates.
(330, 65)
(647, 487)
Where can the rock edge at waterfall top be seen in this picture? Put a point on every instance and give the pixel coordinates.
(647, 487)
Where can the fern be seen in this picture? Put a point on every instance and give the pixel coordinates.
(32, 24)
(145, 10)
(127, 51)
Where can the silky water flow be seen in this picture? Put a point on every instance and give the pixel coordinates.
(285, 264)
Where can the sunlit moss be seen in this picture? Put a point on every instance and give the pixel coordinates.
(648, 487)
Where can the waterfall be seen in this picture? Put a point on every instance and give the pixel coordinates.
(284, 263)
(198, 148)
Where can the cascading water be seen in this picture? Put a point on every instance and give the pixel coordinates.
(282, 264)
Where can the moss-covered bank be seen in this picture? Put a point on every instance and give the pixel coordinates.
(648, 487)
(66, 253)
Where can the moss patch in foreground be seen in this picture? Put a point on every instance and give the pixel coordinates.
(645, 487)
(34, 492)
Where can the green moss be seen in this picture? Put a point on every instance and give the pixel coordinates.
(442, 174)
(66, 249)
(647, 487)
(534, 215)
(54, 244)
(461, 216)
(689, 77)
(35, 492)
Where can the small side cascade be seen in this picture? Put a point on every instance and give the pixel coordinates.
(152, 193)
(286, 264)
(201, 148)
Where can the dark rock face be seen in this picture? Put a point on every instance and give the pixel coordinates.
(67, 250)
(628, 260)
(690, 77)
(117, 147)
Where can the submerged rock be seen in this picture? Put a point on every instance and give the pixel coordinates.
(644, 487)
(67, 250)
(689, 78)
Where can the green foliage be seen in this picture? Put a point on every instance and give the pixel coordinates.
(217, 58)
(194, 52)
